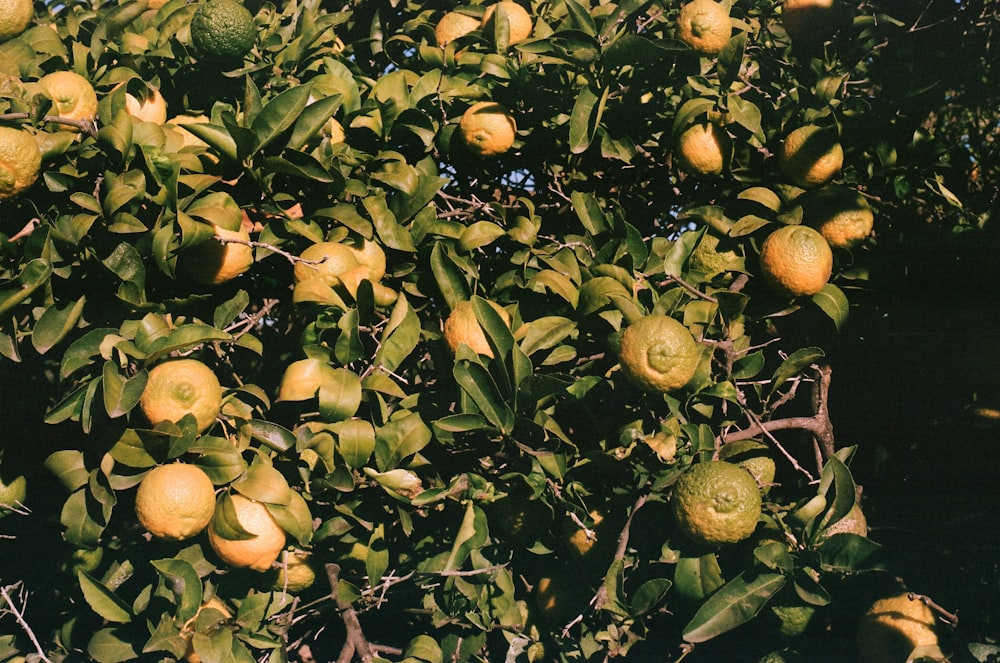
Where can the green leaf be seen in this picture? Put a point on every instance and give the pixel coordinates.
(68, 466)
(55, 323)
(477, 382)
(355, 441)
(794, 364)
(586, 118)
(400, 337)
(832, 301)
(377, 561)
(273, 435)
(472, 533)
(294, 517)
(339, 395)
(81, 352)
(111, 645)
(733, 605)
(279, 114)
(451, 280)
(697, 577)
(120, 394)
(103, 601)
(400, 438)
(589, 211)
(263, 483)
(32, 277)
(689, 112)
(181, 579)
(649, 596)
(851, 553)
(312, 119)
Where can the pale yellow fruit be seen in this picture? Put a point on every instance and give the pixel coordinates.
(893, 627)
(175, 501)
(334, 131)
(463, 328)
(20, 161)
(811, 156)
(487, 128)
(303, 378)
(518, 19)
(15, 17)
(658, 354)
(152, 107)
(72, 95)
(325, 261)
(454, 25)
(257, 553)
(297, 573)
(214, 262)
(796, 261)
(704, 25)
(179, 387)
(704, 149)
(841, 215)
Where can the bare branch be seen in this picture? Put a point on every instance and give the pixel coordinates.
(19, 616)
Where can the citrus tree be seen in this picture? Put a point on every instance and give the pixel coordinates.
(401, 331)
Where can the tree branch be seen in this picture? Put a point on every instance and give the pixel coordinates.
(19, 616)
(356, 642)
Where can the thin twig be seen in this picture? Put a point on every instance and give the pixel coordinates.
(19, 616)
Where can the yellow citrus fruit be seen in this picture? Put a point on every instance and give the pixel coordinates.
(793, 620)
(462, 328)
(841, 215)
(708, 258)
(20, 161)
(214, 262)
(188, 139)
(716, 502)
(189, 628)
(12, 494)
(658, 354)
(487, 128)
(811, 156)
(303, 378)
(223, 31)
(704, 25)
(809, 22)
(704, 149)
(518, 19)
(664, 445)
(326, 261)
(257, 553)
(152, 107)
(796, 261)
(15, 16)
(854, 522)
(175, 501)
(454, 25)
(893, 627)
(179, 387)
(584, 544)
(753, 456)
(72, 95)
(297, 573)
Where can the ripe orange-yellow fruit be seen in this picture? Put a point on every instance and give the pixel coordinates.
(796, 261)
(704, 149)
(72, 95)
(487, 128)
(20, 161)
(179, 387)
(214, 262)
(893, 627)
(15, 17)
(658, 354)
(811, 156)
(189, 628)
(716, 502)
(454, 25)
(809, 22)
(326, 261)
(151, 107)
(841, 215)
(462, 328)
(704, 25)
(518, 19)
(257, 553)
(175, 501)
(302, 379)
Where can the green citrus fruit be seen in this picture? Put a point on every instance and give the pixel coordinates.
(223, 31)
(12, 494)
(658, 354)
(716, 502)
(20, 161)
(753, 456)
(708, 258)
